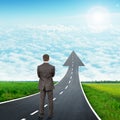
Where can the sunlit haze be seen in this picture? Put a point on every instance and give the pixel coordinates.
(99, 18)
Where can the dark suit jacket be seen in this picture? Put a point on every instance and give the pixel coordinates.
(45, 73)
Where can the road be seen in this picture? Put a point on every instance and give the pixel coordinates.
(69, 100)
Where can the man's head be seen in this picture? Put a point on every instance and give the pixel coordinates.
(46, 57)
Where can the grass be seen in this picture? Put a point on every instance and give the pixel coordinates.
(104, 98)
(12, 90)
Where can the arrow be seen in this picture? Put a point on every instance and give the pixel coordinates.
(73, 60)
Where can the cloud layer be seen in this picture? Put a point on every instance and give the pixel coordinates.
(21, 50)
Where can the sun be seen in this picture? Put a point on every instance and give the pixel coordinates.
(98, 18)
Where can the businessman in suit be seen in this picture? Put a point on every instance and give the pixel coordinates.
(46, 73)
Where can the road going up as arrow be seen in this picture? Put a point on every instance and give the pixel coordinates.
(72, 104)
(69, 100)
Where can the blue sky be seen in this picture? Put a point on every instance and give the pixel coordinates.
(49, 11)
(31, 28)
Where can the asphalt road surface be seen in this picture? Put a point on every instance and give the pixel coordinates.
(69, 100)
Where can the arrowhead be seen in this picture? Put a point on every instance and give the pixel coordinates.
(73, 58)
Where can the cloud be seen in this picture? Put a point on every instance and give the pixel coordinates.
(22, 50)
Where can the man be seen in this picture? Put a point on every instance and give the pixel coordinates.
(45, 73)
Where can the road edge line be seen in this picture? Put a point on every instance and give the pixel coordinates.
(8, 101)
(88, 101)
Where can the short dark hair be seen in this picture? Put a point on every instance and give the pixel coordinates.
(46, 57)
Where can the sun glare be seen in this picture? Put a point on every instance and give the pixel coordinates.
(98, 18)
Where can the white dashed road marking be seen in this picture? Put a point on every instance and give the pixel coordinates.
(46, 105)
(71, 77)
(23, 119)
(69, 81)
(66, 87)
(61, 93)
(71, 72)
(34, 112)
(54, 99)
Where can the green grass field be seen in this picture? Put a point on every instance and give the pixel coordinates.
(12, 90)
(104, 98)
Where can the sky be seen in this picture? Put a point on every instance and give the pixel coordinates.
(31, 28)
(50, 11)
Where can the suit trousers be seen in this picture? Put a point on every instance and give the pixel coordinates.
(50, 101)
